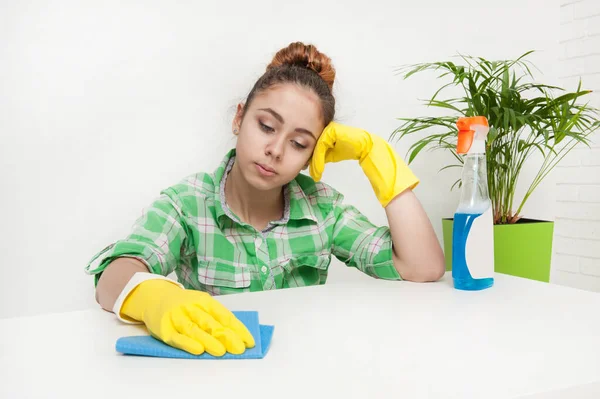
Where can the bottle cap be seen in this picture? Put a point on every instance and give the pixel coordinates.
(466, 131)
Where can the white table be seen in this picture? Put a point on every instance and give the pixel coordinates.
(379, 339)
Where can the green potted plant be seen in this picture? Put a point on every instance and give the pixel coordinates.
(525, 117)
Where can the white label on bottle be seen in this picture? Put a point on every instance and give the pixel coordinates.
(479, 250)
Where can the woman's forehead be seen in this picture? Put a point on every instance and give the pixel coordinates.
(289, 101)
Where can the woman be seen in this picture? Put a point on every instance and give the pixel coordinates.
(256, 223)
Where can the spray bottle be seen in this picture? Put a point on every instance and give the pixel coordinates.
(473, 228)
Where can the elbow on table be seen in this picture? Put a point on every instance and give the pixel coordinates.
(423, 272)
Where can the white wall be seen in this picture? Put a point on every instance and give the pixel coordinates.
(577, 236)
(102, 104)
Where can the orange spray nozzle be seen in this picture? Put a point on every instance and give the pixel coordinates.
(466, 134)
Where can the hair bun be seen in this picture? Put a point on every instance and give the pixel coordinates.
(306, 56)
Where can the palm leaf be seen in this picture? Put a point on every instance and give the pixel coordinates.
(525, 116)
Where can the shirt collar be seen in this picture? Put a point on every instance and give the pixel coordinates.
(300, 204)
(296, 204)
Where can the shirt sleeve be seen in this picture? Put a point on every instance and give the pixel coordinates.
(359, 243)
(158, 237)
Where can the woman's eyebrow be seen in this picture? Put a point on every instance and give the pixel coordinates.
(280, 119)
(272, 112)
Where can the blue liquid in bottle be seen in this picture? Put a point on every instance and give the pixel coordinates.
(460, 270)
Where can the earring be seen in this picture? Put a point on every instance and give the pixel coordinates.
(235, 131)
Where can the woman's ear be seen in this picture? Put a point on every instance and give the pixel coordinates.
(237, 120)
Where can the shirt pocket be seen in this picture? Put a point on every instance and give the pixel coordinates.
(220, 278)
(304, 270)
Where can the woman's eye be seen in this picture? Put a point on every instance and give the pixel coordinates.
(265, 128)
(298, 145)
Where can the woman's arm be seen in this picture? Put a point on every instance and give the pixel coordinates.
(417, 252)
(114, 278)
(154, 247)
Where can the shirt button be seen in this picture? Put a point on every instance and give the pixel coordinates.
(263, 269)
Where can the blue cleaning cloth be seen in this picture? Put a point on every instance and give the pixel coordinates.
(145, 345)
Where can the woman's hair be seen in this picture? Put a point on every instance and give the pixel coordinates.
(303, 65)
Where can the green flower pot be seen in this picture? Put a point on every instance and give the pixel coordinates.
(523, 249)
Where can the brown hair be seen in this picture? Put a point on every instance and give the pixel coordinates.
(303, 65)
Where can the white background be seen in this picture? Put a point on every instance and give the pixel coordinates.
(103, 104)
(576, 260)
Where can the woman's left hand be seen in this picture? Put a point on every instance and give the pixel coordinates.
(388, 173)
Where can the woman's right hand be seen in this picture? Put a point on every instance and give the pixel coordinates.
(187, 319)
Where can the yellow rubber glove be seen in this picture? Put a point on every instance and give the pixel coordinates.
(387, 172)
(187, 319)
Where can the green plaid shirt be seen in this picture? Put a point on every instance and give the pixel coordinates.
(191, 231)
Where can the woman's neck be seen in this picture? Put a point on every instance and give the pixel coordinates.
(252, 206)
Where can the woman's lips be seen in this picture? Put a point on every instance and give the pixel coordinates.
(265, 170)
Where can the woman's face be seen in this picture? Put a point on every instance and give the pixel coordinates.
(277, 135)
